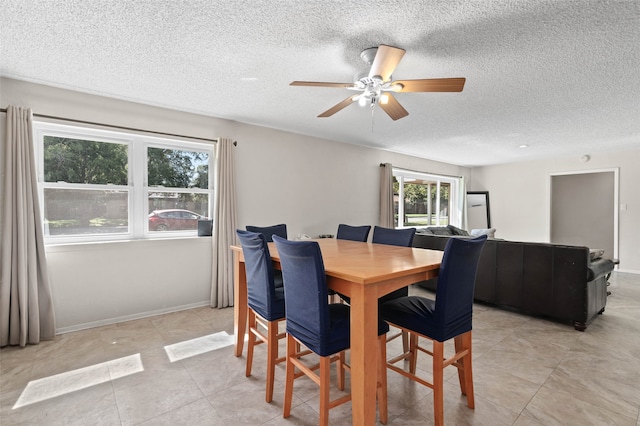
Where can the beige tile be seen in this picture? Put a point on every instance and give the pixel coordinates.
(610, 392)
(554, 407)
(130, 337)
(218, 371)
(217, 319)
(27, 353)
(199, 412)
(504, 389)
(160, 394)
(179, 326)
(244, 404)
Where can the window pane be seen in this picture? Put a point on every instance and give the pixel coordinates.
(84, 161)
(416, 204)
(85, 211)
(175, 168)
(176, 211)
(420, 203)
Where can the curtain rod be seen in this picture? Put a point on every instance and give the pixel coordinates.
(120, 127)
(425, 173)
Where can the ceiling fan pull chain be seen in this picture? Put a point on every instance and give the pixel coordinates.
(372, 107)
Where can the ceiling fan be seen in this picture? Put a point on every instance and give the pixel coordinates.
(376, 87)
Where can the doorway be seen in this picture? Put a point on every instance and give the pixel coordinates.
(584, 210)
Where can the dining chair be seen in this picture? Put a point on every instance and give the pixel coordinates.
(353, 233)
(394, 237)
(266, 303)
(322, 327)
(268, 231)
(448, 317)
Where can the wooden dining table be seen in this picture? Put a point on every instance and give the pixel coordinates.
(364, 272)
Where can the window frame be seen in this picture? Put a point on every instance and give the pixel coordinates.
(455, 192)
(137, 187)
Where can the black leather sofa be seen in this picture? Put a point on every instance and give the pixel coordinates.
(554, 281)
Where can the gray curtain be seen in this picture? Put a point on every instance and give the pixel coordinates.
(26, 308)
(386, 195)
(224, 226)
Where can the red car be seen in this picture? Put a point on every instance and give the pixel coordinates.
(173, 220)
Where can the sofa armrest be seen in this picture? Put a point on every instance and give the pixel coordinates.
(599, 268)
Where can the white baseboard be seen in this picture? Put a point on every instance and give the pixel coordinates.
(136, 316)
(626, 271)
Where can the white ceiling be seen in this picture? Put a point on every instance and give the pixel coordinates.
(561, 76)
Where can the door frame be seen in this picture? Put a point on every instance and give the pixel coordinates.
(616, 202)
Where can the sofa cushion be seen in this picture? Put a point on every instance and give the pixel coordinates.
(457, 231)
(440, 230)
(424, 231)
(599, 267)
(595, 254)
(489, 232)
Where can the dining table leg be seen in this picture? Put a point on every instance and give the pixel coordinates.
(239, 302)
(364, 341)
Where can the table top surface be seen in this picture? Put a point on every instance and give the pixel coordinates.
(367, 262)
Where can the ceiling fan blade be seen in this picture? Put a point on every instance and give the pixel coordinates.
(432, 85)
(321, 84)
(386, 60)
(338, 107)
(393, 108)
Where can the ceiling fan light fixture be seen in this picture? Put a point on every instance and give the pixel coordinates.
(396, 87)
(362, 101)
(384, 99)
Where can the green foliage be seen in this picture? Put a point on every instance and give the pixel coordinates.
(82, 161)
(92, 162)
(173, 168)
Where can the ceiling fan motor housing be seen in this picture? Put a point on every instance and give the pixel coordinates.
(368, 55)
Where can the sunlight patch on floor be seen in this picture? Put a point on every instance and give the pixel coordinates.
(198, 346)
(75, 380)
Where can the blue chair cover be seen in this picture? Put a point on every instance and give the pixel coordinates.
(451, 313)
(322, 327)
(353, 233)
(393, 237)
(263, 296)
(269, 231)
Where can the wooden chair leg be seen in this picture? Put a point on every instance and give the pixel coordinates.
(325, 374)
(340, 370)
(465, 371)
(272, 355)
(413, 352)
(251, 341)
(289, 376)
(438, 382)
(382, 380)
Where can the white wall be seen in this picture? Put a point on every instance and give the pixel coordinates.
(519, 198)
(310, 184)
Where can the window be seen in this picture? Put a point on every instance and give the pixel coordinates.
(102, 185)
(422, 200)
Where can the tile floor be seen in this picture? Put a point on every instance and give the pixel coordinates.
(164, 370)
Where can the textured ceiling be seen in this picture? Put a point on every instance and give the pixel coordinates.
(560, 76)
